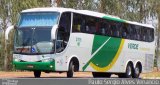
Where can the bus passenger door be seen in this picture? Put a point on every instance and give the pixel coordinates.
(63, 33)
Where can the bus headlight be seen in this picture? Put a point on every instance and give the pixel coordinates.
(47, 60)
(16, 57)
(17, 60)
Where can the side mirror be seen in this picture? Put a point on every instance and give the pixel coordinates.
(8, 30)
(53, 32)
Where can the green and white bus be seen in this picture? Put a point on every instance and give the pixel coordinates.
(69, 40)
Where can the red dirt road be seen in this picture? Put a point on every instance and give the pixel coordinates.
(43, 75)
(152, 75)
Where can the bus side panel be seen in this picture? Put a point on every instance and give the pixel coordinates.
(80, 46)
(106, 54)
(135, 51)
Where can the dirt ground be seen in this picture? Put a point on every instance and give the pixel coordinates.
(152, 75)
(43, 75)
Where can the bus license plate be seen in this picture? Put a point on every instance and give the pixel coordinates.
(30, 66)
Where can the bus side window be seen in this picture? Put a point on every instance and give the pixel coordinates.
(118, 29)
(87, 29)
(76, 23)
(83, 24)
(65, 21)
(92, 27)
(137, 33)
(152, 34)
(125, 32)
(129, 31)
(108, 30)
(113, 29)
(142, 34)
(97, 26)
(102, 30)
(149, 35)
(145, 34)
(65, 25)
(132, 33)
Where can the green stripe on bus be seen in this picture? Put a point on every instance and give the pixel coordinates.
(96, 48)
(98, 41)
(114, 19)
(105, 54)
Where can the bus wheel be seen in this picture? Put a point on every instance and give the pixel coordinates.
(101, 75)
(71, 70)
(128, 73)
(136, 71)
(37, 74)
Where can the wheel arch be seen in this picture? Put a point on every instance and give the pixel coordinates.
(129, 62)
(75, 60)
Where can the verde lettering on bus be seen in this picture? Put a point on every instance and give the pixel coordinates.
(132, 46)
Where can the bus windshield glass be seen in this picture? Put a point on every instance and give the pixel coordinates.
(33, 40)
(33, 33)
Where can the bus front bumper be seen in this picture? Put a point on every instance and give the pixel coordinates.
(42, 66)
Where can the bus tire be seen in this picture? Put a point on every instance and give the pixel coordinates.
(37, 74)
(137, 71)
(128, 73)
(71, 69)
(101, 75)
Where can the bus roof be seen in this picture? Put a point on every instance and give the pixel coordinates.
(85, 12)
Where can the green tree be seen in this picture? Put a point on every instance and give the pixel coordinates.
(9, 10)
(4, 16)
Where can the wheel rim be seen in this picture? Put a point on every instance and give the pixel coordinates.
(137, 71)
(73, 68)
(129, 71)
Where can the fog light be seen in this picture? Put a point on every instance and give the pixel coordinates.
(51, 66)
(16, 60)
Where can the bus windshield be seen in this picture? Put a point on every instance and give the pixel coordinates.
(33, 33)
(33, 40)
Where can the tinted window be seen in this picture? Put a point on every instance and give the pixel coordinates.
(105, 27)
(85, 24)
(77, 22)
